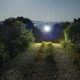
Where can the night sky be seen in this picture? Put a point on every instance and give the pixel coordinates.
(41, 10)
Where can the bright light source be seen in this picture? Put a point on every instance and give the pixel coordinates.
(47, 28)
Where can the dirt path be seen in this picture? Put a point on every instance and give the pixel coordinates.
(23, 67)
(44, 70)
(66, 69)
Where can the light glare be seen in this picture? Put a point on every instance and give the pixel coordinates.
(47, 28)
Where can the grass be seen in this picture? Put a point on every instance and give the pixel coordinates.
(44, 60)
(45, 52)
(75, 56)
(37, 63)
(45, 64)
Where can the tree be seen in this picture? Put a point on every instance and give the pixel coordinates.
(76, 20)
(27, 22)
(21, 19)
(9, 21)
(21, 40)
(72, 34)
(37, 34)
(15, 37)
(64, 25)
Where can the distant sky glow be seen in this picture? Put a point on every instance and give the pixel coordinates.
(41, 10)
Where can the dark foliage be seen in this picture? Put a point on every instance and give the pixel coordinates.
(37, 34)
(3, 54)
(15, 37)
(29, 24)
(76, 20)
(72, 34)
(64, 25)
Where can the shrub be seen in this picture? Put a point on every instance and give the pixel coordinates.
(71, 48)
(43, 44)
(21, 43)
(15, 37)
(46, 47)
(42, 47)
(63, 43)
(49, 47)
(72, 34)
(3, 54)
(49, 44)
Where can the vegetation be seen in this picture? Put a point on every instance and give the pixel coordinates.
(37, 34)
(46, 51)
(64, 25)
(42, 48)
(72, 40)
(72, 34)
(15, 37)
(3, 54)
(17, 34)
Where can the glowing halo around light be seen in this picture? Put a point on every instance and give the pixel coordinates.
(47, 28)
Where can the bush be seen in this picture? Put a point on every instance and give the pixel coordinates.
(42, 47)
(49, 47)
(72, 41)
(49, 44)
(71, 48)
(46, 47)
(22, 42)
(43, 44)
(72, 34)
(63, 43)
(3, 54)
(15, 37)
